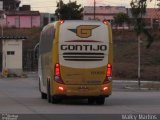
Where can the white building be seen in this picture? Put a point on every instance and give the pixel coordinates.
(103, 12)
(1, 5)
(12, 54)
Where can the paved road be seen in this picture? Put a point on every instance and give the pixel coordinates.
(21, 96)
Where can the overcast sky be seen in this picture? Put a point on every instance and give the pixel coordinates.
(50, 5)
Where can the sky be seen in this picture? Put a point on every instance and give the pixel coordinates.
(50, 5)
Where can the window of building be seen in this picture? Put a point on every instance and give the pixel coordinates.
(10, 52)
(52, 19)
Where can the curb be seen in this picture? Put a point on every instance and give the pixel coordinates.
(141, 88)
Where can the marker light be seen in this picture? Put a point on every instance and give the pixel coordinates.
(105, 88)
(61, 88)
(62, 21)
(105, 21)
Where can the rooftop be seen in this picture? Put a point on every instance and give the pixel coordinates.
(23, 13)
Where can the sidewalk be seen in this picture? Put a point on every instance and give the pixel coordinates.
(133, 85)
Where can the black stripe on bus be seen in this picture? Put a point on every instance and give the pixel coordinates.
(83, 59)
(83, 53)
(83, 56)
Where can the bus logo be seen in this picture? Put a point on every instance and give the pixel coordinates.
(84, 31)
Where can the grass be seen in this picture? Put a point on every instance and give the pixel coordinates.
(126, 58)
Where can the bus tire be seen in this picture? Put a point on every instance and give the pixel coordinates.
(56, 100)
(48, 92)
(39, 85)
(91, 101)
(43, 95)
(100, 100)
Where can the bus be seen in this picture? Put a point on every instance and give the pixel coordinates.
(75, 60)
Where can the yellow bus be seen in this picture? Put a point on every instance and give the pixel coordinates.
(75, 60)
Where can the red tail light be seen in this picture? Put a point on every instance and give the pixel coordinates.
(108, 73)
(109, 70)
(57, 69)
(58, 74)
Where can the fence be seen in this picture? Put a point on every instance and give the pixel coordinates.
(30, 60)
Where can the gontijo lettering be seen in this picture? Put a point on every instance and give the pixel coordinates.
(84, 47)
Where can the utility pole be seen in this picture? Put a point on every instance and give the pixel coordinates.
(94, 9)
(139, 53)
(139, 61)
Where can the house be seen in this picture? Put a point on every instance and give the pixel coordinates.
(10, 16)
(102, 12)
(47, 18)
(152, 17)
(1, 5)
(22, 19)
(12, 55)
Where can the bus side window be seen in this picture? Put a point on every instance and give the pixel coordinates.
(46, 41)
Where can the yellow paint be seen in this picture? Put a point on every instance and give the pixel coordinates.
(75, 78)
(77, 90)
(85, 31)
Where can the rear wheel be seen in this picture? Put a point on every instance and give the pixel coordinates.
(100, 100)
(91, 101)
(56, 100)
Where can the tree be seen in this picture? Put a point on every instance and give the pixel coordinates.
(69, 11)
(138, 10)
(158, 4)
(120, 19)
(11, 4)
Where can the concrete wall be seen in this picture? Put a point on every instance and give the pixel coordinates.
(25, 22)
(12, 62)
(102, 12)
(47, 18)
(36, 21)
(22, 21)
(1, 5)
(11, 21)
